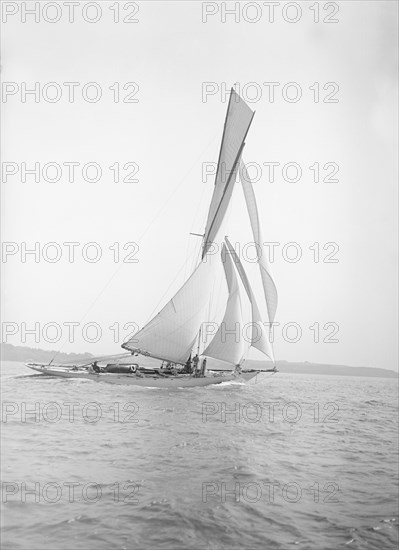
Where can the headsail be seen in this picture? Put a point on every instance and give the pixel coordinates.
(228, 343)
(238, 120)
(259, 338)
(171, 334)
(267, 280)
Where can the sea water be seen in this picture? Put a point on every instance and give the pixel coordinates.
(286, 461)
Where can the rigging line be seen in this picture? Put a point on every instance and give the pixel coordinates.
(200, 246)
(210, 314)
(197, 254)
(219, 279)
(89, 360)
(199, 205)
(211, 299)
(187, 254)
(142, 235)
(167, 290)
(196, 225)
(198, 222)
(222, 280)
(183, 179)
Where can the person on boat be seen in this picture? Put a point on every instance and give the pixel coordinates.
(169, 369)
(195, 364)
(95, 367)
(203, 367)
(188, 367)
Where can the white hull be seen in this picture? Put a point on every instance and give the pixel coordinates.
(147, 380)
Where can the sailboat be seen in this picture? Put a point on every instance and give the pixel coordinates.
(171, 336)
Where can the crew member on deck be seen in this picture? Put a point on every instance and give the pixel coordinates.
(170, 369)
(188, 367)
(95, 367)
(195, 364)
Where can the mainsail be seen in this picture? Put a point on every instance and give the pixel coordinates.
(171, 334)
(267, 280)
(259, 335)
(228, 344)
(238, 120)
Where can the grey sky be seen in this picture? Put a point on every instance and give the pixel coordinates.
(171, 131)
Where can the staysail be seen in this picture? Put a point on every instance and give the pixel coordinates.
(171, 334)
(228, 344)
(238, 120)
(259, 334)
(267, 280)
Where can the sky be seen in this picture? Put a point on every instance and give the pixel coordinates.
(164, 83)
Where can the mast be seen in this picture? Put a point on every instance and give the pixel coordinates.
(199, 340)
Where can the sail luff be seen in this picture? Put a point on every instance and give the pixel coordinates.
(260, 338)
(269, 286)
(229, 188)
(237, 123)
(218, 166)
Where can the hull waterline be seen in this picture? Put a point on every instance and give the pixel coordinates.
(179, 381)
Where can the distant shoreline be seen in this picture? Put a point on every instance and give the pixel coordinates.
(24, 354)
(336, 370)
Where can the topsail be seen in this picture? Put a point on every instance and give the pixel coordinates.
(238, 120)
(267, 280)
